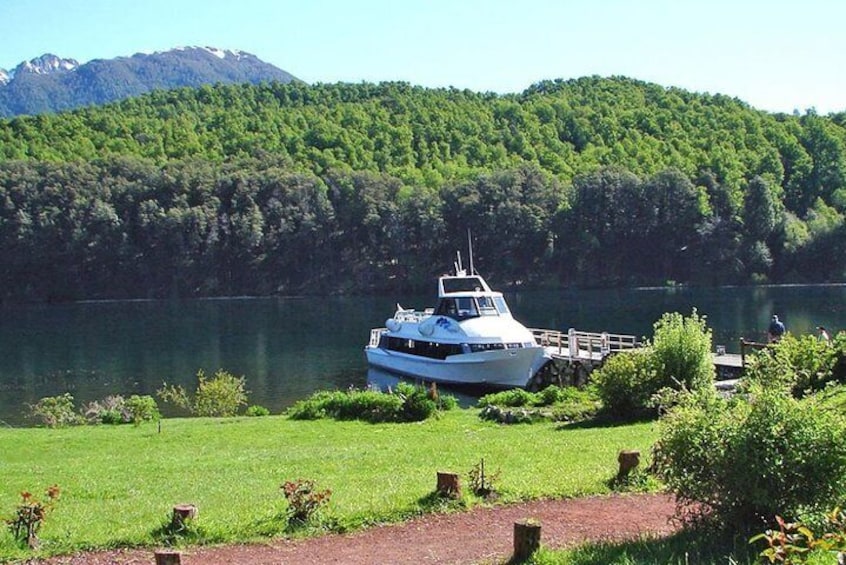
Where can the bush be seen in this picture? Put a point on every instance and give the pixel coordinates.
(257, 411)
(626, 382)
(799, 365)
(679, 358)
(407, 403)
(568, 403)
(55, 411)
(304, 500)
(220, 396)
(745, 461)
(681, 351)
(142, 409)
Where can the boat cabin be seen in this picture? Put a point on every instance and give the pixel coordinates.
(464, 297)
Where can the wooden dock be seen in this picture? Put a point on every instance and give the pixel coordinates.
(575, 354)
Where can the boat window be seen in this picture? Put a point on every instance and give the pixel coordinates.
(486, 306)
(466, 308)
(447, 307)
(430, 349)
(501, 306)
(462, 284)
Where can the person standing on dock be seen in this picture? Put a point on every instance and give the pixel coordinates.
(823, 334)
(776, 329)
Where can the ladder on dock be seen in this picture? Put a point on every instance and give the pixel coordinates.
(574, 345)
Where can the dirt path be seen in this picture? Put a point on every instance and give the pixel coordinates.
(483, 535)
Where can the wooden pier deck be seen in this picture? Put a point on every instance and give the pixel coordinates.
(577, 353)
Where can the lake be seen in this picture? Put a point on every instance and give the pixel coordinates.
(289, 347)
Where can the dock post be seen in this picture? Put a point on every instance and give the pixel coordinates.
(572, 343)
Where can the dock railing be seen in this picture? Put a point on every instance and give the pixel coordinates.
(584, 345)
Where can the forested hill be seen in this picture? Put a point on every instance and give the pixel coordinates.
(282, 188)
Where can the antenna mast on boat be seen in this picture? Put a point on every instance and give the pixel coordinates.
(470, 248)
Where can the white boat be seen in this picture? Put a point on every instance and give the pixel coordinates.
(470, 337)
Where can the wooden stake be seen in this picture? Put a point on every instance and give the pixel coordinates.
(182, 514)
(449, 485)
(628, 460)
(527, 535)
(168, 557)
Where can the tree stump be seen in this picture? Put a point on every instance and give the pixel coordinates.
(527, 534)
(182, 514)
(449, 485)
(628, 460)
(168, 557)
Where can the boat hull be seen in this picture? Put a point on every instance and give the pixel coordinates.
(500, 368)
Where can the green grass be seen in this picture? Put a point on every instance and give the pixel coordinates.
(119, 483)
(683, 548)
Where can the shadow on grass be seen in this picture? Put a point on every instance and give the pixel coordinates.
(190, 533)
(604, 420)
(688, 547)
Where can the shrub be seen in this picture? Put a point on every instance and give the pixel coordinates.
(746, 459)
(55, 411)
(798, 364)
(626, 382)
(304, 500)
(681, 351)
(512, 398)
(679, 358)
(220, 396)
(110, 410)
(142, 409)
(407, 403)
(30, 515)
(256, 411)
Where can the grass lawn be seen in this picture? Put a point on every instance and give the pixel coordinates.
(119, 483)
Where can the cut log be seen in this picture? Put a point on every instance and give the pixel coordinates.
(168, 557)
(527, 535)
(182, 514)
(449, 485)
(628, 460)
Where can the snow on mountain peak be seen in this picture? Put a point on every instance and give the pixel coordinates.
(45, 64)
(4, 77)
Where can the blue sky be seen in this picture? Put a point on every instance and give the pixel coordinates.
(777, 55)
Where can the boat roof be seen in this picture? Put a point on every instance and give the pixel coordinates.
(462, 283)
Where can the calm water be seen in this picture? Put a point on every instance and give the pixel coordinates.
(288, 348)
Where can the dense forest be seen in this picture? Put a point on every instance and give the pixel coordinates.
(291, 188)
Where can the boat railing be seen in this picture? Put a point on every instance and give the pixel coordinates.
(375, 336)
(412, 315)
(585, 345)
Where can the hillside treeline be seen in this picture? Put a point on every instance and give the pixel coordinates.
(340, 188)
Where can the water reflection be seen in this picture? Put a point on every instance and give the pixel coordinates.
(288, 348)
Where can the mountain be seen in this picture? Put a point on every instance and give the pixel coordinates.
(49, 83)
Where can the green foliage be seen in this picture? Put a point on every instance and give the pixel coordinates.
(142, 408)
(679, 358)
(626, 382)
(513, 398)
(55, 411)
(570, 404)
(220, 396)
(742, 460)
(681, 351)
(304, 500)
(30, 515)
(327, 188)
(482, 481)
(799, 364)
(795, 542)
(257, 411)
(110, 410)
(408, 403)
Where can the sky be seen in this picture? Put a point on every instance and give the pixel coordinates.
(776, 55)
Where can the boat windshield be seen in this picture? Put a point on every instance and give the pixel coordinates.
(469, 307)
